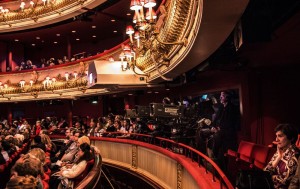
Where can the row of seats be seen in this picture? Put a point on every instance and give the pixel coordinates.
(250, 156)
(5, 168)
(255, 155)
(13, 158)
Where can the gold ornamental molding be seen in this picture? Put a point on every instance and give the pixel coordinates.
(40, 12)
(134, 157)
(172, 28)
(187, 33)
(179, 176)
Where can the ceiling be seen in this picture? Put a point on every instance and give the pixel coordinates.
(270, 32)
(106, 21)
(260, 23)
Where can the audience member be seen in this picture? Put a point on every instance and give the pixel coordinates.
(283, 164)
(22, 182)
(70, 171)
(295, 182)
(225, 128)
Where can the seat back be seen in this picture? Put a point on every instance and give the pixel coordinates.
(245, 150)
(80, 177)
(91, 179)
(260, 155)
(298, 141)
(272, 151)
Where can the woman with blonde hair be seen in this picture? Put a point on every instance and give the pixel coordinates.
(46, 140)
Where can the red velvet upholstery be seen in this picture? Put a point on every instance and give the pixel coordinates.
(46, 178)
(93, 176)
(260, 156)
(80, 177)
(48, 172)
(298, 141)
(45, 184)
(2, 167)
(245, 151)
(239, 160)
(271, 153)
(47, 161)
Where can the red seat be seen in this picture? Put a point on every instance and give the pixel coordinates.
(45, 184)
(260, 156)
(48, 172)
(47, 161)
(272, 151)
(298, 141)
(243, 153)
(80, 177)
(2, 168)
(46, 178)
(240, 159)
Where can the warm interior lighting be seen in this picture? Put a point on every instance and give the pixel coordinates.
(22, 83)
(143, 37)
(67, 76)
(75, 74)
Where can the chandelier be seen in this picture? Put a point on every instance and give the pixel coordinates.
(144, 37)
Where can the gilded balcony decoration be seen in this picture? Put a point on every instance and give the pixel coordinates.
(41, 81)
(35, 9)
(179, 36)
(30, 13)
(157, 36)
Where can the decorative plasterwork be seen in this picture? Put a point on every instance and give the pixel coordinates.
(134, 156)
(44, 14)
(204, 25)
(179, 176)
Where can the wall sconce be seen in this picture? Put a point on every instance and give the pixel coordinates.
(75, 74)
(22, 83)
(31, 83)
(67, 76)
(5, 86)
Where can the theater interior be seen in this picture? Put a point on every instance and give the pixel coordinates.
(188, 51)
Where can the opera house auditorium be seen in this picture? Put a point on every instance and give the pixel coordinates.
(130, 94)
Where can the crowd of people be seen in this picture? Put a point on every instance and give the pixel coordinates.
(27, 65)
(71, 159)
(43, 161)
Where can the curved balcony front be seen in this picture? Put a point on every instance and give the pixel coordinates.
(164, 162)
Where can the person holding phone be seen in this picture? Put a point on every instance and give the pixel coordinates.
(283, 165)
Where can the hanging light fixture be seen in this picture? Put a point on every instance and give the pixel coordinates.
(143, 35)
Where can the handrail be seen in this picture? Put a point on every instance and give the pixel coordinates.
(169, 144)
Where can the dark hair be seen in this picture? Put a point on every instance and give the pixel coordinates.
(289, 130)
(228, 95)
(78, 131)
(37, 139)
(86, 149)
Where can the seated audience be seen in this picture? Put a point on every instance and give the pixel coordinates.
(283, 164)
(37, 143)
(20, 182)
(295, 182)
(70, 171)
(29, 165)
